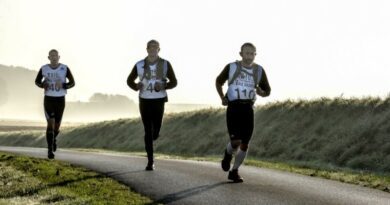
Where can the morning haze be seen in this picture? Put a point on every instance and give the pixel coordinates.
(21, 99)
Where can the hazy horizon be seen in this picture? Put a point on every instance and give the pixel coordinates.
(22, 100)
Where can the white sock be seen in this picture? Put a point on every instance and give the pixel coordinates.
(239, 158)
(230, 149)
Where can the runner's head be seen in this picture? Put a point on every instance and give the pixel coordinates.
(248, 53)
(153, 47)
(54, 57)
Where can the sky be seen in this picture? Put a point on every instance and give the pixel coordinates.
(308, 48)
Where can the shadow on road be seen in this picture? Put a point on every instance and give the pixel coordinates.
(117, 173)
(186, 193)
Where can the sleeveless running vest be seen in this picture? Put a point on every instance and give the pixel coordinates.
(243, 81)
(56, 78)
(149, 75)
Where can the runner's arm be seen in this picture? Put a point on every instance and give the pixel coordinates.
(131, 78)
(171, 76)
(264, 85)
(221, 79)
(71, 83)
(38, 79)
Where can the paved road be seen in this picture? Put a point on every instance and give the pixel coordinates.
(191, 182)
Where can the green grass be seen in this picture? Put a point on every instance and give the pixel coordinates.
(367, 179)
(37, 181)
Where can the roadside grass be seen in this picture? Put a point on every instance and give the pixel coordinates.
(27, 180)
(30, 138)
(379, 181)
(374, 180)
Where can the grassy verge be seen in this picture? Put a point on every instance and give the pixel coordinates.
(367, 179)
(39, 181)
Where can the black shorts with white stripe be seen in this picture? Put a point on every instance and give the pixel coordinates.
(240, 120)
(54, 107)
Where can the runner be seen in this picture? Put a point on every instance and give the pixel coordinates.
(52, 78)
(245, 80)
(152, 73)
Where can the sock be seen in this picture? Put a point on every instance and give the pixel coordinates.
(229, 149)
(239, 158)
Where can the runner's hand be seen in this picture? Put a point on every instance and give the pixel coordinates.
(45, 85)
(140, 85)
(260, 92)
(225, 101)
(157, 86)
(59, 85)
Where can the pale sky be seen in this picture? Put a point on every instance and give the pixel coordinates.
(309, 48)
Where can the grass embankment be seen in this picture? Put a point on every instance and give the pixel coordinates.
(37, 181)
(323, 134)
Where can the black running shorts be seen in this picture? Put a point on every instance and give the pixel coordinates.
(240, 120)
(54, 107)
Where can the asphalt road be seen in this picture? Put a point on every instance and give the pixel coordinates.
(192, 182)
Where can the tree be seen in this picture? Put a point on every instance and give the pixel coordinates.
(111, 99)
(98, 97)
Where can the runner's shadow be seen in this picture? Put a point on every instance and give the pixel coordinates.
(119, 172)
(169, 198)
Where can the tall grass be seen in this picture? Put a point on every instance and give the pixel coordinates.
(350, 133)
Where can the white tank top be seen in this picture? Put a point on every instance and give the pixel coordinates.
(244, 86)
(148, 81)
(56, 79)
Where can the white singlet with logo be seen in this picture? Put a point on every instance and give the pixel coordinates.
(243, 87)
(56, 79)
(147, 91)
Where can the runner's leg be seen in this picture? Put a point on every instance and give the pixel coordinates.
(158, 113)
(60, 106)
(146, 116)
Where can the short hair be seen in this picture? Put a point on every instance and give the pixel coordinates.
(152, 42)
(53, 50)
(247, 44)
